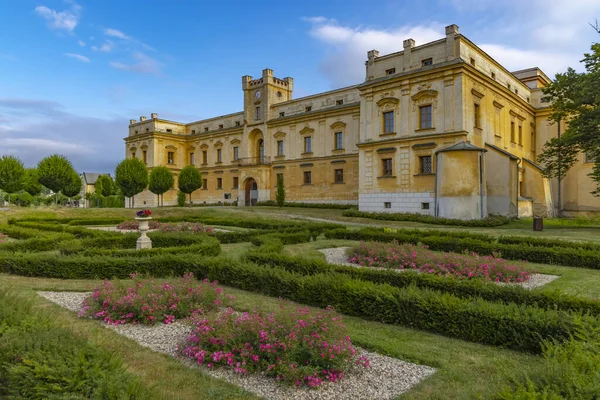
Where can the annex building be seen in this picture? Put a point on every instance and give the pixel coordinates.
(440, 128)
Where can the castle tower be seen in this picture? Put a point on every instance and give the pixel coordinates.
(261, 93)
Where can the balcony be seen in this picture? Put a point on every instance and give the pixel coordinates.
(245, 161)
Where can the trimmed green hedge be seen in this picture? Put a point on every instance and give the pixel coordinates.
(97, 221)
(543, 242)
(273, 203)
(210, 247)
(514, 326)
(496, 220)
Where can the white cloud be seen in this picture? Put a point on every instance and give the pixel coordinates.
(47, 145)
(347, 46)
(116, 33)
(105, 48)
(143, 64)
(78, 57)
(65, 20)
(81, 43)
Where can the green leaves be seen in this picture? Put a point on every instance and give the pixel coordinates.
(189, 179)
(32, 184)
(160, 180)
(280, 195)
(12, 174)
(131, 176)
(56, 172)
(74, 186)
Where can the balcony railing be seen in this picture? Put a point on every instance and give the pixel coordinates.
(253, 161)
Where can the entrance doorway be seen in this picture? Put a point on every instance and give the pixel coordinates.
(251, 192)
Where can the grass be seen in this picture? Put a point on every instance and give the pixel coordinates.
(466, 370)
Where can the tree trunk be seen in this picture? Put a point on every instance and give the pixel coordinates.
(190, 200)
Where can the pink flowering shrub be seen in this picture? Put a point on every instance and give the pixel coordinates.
(184, 227)
(419, 258)
(301, 347)
(3, 237)
(144, 301)
(134, 226)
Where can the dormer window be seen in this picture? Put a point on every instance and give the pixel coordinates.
(206, 129)
(308, 109)
(147, 130)
(220, 126)
(472, 61)
(509, 86)
(339, 102)
(390, 71)
(237, 123)
(136, 132)
(169, 130)
(426, 62)
(282, 114)
(193, 131)
(494, 75)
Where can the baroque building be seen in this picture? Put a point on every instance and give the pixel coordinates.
(441, 129)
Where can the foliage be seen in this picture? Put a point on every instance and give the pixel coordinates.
(496, 220)
(32, 184)
(39, 359)
(558, 157)
(180, 198)
(272, 203)
(280, 194)
(56, 172)
(184, 227)
(12, 174)
(3, 237)
(575, 99)
(74, 186)
(134, 225)
(189, 180)
(22, 199)
(298, 347)
(144, 301)
(107, 185)
(160, 180)
(419, 258)
(131, 176)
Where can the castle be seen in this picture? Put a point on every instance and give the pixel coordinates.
(441, 129)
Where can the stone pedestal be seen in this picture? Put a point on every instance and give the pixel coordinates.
(143, 241)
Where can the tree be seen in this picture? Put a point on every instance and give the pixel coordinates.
(12, 174)
(280, 195)
(575, 99)
(32, 184)
(99, 187)
(160, 180)
(189, 180)
(74, 187)
(56, 173)
(108, 185)
(131, 176)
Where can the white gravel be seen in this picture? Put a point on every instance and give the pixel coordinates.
(115, 229)
(386, 379)
(337, 256)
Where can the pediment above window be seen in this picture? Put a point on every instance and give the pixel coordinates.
(307, 131)
(191, 148)
(204, 147)
(337, 125)
(219, 144)
(235, 142)
(477, 93)
(388, 101)
(279, 135)
(428, 94)
(144, 146)
(170, 147)
(132, 149)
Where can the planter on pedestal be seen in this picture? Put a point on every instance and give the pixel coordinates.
(143, 241)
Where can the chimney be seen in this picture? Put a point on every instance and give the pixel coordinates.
(132, 121)
(142, 118)
(451, 32)
(372, 54)
(408, 45)
(153, 115)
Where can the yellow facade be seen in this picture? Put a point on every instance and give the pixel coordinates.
(440, 128)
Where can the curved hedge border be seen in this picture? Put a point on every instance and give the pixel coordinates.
(428, 219)
(273, 203)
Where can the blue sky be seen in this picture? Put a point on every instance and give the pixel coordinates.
(72, 74)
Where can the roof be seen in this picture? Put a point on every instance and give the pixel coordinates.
(90, 178)
(506, 153)
(462, 146)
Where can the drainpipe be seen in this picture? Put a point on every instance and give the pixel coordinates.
(435, 199)
(559, 178)
(481, 183)
(517, 191)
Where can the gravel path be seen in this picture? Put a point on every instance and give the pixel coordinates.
(115, 229)
(386, 379)
(337, 256)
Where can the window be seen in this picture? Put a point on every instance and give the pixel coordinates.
(236, 182)
(170, 157)
(205, 184)
(144, 156)
(258, 112)
(390, 71)
(512, 132)
(169, 130)
(219, 155)
(219, 183)
(425, 117)
(339, 176)
(282, 114)
(587, 157)
(388, 122)
(494, 75)
(280, 147)
(192, 158)
(472, 61)
(387, 167)
(424, 206)
(520, 135)
(236, 154)
(508, 85)
(193, 131)
(308, 144)
(307, 178)
(387, 204)
(204, 157)
(237, 123)
(308, 108)
(147, 129)
(220, 126)
(339, 140)
(425, 165)
(426, 62)
(133, 154)
(339, 102)
(476, 116)
(136, 132)
(533, 140)
(279, 178)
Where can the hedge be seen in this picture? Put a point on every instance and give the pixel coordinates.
(514, 326)
(273, 203)
(464, 288)
(209, 247)
(36, 244)
(543, 242)
(496, 220)
(97, 221)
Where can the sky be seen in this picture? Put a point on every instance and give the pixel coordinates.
(73, 73)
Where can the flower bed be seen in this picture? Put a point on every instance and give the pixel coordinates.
(144, 301)
(134, 225)
(420, 258)
(301, 347)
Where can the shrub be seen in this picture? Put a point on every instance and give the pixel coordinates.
(40, 359)
(419, 258)
(184, 227)
(44, 243)
(145, 302)
(180, 199)
(496, 220)
(543, 242)
(3, 237)
(298, 347)
(273, 203)
(208, 247)
(96, 221)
